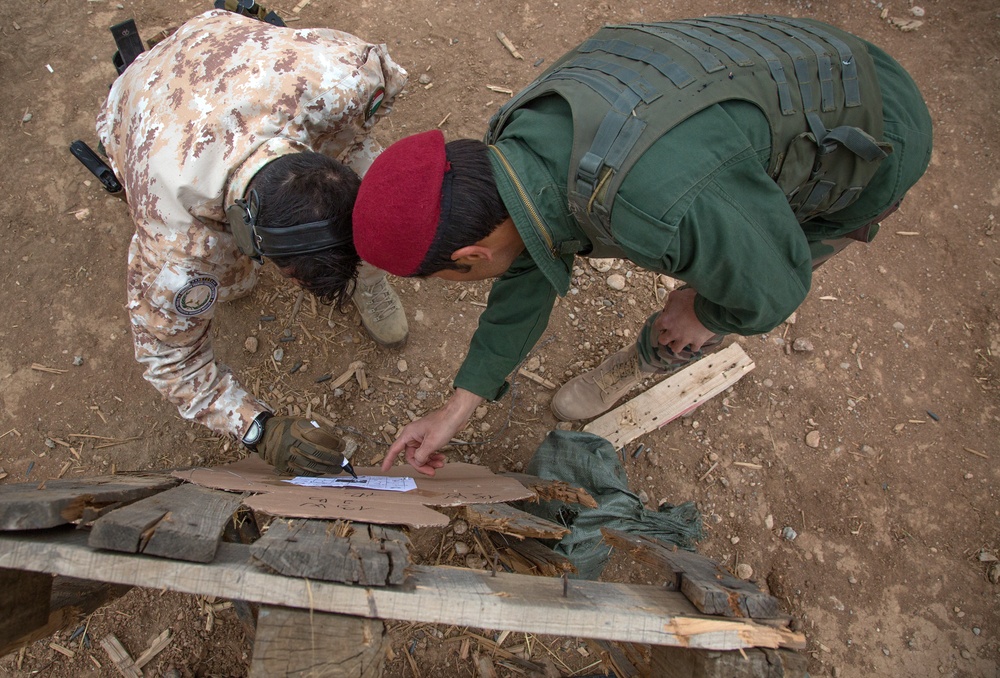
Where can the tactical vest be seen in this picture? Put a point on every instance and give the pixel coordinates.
(630, 84)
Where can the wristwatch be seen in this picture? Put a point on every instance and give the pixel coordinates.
(256, 430)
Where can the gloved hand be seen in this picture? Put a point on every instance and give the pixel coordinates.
(298, 446)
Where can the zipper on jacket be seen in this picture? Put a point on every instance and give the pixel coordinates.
(530, 206)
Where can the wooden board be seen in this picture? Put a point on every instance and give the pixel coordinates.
(674, 397)
(184, 523)
(712, 589)
(371, 556)
(675, 662)
(440, 595)
(33, 506)
(529, 556)
(24, 599)
(506, 519)
(302, 643)
(557, 490)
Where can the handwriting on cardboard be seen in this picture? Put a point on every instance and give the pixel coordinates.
(364, 482)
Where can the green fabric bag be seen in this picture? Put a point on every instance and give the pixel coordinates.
(589, 461)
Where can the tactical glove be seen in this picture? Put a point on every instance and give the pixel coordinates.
(299, 446)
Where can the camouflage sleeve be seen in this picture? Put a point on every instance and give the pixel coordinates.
(171, 305)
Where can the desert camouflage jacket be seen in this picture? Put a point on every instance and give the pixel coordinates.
(185, 128)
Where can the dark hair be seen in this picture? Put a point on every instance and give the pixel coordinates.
(303, 187)
(471, 207)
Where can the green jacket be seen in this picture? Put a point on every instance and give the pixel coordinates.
(698, 206)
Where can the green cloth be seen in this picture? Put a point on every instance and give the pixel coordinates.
(591, 462)
(698, 206)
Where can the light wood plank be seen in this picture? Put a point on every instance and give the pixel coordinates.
(445, 595)
(293, 642)
(506, 519)
(557, 490)
(673, 397)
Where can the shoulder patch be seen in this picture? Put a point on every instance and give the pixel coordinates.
(378, 96)
(197, 295)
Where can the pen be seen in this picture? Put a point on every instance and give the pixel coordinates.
(346, 465)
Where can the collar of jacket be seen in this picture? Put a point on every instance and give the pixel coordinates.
(240, 176)
(538, 206)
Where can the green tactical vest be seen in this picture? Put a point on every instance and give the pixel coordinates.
(630, 84)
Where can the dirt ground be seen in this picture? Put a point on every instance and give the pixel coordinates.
(895, 507)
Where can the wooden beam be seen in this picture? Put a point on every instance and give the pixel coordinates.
(445, 595)
(34, 506)
(183, 523)
(24, 599)
(372, 556)
(711, 588)
(506, 519)
(674, 397)
(304, 643)
(556, 490)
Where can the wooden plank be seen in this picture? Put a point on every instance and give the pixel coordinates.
(675, 662)
(304, 643)
(24, 599)
(441, 595)
(711, 588)
(673, 397)
(35, 506)
(613, 656)
(371, 556)
(529, 556)
(71, 600)
(506, 519)
(557, 490)
(183, 523)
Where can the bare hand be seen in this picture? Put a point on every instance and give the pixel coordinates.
(421, 439)
(678, 326)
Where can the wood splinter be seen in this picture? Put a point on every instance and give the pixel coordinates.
(505, 41)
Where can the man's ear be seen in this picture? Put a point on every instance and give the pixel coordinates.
(472, 254)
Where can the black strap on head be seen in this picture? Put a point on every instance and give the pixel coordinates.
(258, 242)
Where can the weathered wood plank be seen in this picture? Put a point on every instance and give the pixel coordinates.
(371, 556)
(506, 519)
(71, 600)
(183, 523)
(529, 556)
(24, 599)
(557, 490)
(711, 588)
(675, 662)
(302, 643)
(673, 397)
(35, 506)
(445, 595)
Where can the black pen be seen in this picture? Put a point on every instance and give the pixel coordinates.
(346, 465)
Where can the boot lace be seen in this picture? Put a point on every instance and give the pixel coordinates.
(626, 368)
(379, 300)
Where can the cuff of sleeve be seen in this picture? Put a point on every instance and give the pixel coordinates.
(488, 394)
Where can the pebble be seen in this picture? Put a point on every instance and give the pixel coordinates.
(77, 360)
(460, 527)
(27, 117)
(789, 533)
(461, 548)
(49, 443)
(769, 521)
(803, 346)
(601, 265)
(418, 316)
(744, 571)
(279, 354)
(643, 497)
(976, 630)
(917, 11)
(966, 654)
(251, 344)
(898, 326)
(812, 439)
(852, 579)
(734, 540)
(481, 412)
(994, 574)
(790, 320)
(616, 282)
(402, 366)
(474, 562)
(424, 79)
(885, 651)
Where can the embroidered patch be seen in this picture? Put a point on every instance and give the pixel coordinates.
(378, 96)
(197, 296)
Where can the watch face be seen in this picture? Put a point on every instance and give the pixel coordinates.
(253, 433)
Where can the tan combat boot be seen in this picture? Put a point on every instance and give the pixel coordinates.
(381, 312)
(595, 392)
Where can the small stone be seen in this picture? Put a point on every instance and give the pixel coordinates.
(616, 282)
(789, 533)
(852, 579)
(481, 412)
(461, 548)
(917, 11)
(898, 326)
(812, 439)
(564, 426)
(49, 443)
(994, 573)
(976, 630)
(474, 562)
(424, 79)
(769, 522)
(803, 346)
(768, 383)
(460, 527)
(279, 354)
(986, 557)
(418, 316)
(251, 344)
(27, 118)
(401, 365)
(885, 651)
(966, 654)
(712, 456)
(790, 319)
(602, 265)
(77, 360)
(734, 540)
(484, 427)
(744, 571)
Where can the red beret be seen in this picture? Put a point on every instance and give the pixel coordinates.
(399, 203)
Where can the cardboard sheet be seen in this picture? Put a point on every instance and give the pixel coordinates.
(456, 484)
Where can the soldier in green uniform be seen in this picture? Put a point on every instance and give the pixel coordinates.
(733, 153)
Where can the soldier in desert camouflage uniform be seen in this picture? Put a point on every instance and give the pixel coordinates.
(191, 127)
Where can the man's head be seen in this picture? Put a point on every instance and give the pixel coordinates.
(426, 208)
(306, 188)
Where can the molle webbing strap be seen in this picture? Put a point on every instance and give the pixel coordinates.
(664, 64)
(849, 73)
(708, 61)
(774, 64)
(739, 57)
